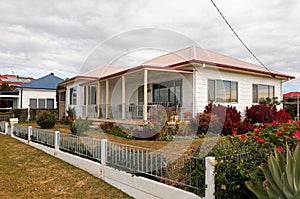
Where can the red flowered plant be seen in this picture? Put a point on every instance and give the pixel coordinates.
(260, 114)
(282, 116)
(272, 135)
(228, 116)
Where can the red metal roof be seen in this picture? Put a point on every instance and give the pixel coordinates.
(291, 94)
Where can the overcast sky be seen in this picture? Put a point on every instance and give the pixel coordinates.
(39, 37)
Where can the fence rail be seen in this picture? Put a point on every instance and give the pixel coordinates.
(43, 136)
(164, 166)
(83, 146)
(20, 131)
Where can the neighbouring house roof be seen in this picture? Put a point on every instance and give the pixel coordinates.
(199, 55)
(14, 80)
(291, 94)
(48, 82)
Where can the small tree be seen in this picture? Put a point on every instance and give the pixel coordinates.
(5, 87)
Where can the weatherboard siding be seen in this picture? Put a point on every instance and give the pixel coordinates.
(245, 82)
(28, 94)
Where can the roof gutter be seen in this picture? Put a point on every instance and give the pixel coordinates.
(231, 67)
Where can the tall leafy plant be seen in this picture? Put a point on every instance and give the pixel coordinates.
(282, 176)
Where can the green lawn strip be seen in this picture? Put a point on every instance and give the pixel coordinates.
(26, 172)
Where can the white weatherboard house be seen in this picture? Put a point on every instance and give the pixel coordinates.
(39, 93)
(185, 80)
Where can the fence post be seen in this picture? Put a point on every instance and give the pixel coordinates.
(12, 129)
(6, 128)
(29, 133)
(103, 151)
(56, 140)
(209, 177)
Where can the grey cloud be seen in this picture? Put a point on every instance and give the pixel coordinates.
(63, 35)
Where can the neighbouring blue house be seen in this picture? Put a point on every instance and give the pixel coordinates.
(40, 93)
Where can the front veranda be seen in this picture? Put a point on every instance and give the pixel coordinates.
(132, 96)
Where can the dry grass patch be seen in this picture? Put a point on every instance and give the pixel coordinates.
(26, 172)
(58, 127)
(189, 146)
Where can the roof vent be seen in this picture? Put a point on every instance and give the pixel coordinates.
(51, 73)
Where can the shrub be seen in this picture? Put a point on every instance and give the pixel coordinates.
(239, 156)
(276, 134)
(235, 161)
(228, 119)
(79, 126)
(158, 117)
(66, 120)
(184, 129)
(244, 127)
(260, 114)
(111, 128)
(46, 120)
(282, 116)
(71, 112)
(231, 121)
(204, 123)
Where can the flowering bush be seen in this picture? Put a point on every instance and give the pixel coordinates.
(111, 128)
(46, 120)
(205, 122)
(238, 156)
(232, 119)
(228, 118)
(244, 127)
(260, 114)
(282, 116)
(276, 134)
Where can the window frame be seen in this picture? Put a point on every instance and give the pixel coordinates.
(37, 100)
(73, 96)
(255, 92)
(213, 91)
(172, 89)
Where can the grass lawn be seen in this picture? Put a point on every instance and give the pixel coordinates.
(189, 147)
(58, 127)
(26, 172)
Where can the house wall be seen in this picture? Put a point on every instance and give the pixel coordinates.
(187, 93)
(80, 96)
(27, 94)
(245, 82)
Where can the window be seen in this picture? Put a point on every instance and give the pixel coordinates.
(260, 92)
(62, 96)
(222, 91)
(73, 96)
(92, 94)
(33, 103)
(168, 92)
(50, 103)
(41, 103)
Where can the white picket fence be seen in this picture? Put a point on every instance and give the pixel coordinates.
(107, 160)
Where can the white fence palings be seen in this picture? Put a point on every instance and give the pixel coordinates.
(136, 160)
